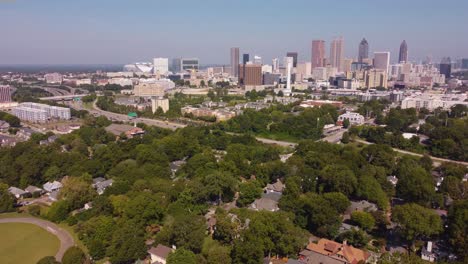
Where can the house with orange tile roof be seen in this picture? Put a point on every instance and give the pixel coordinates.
(330, 252)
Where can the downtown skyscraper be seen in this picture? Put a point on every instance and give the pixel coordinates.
(337, 53)
(363, 50)
(293, 55)
(318, 53)
(403, 52)
(235, 62)
(382, 61)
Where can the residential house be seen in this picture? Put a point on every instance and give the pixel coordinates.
(331, 252)
(33, 190)
(265, 204)
(277, 187)
(6, 141)
(427, 253)
(4, 126)
(176, 165)
(52, 186)
(392, 179)
(159, 254)
(49, 140)
(270, 197)
(128, 131)
(363, 206)
(100, 184)
(17, 192)
(53, 196)
(25, 133)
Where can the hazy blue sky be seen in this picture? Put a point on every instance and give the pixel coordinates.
(121, 31)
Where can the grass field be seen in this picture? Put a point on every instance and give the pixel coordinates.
(25, 243)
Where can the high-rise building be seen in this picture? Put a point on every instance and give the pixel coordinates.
(250, 74)
(347, 65)
(318, 53)
(382, 61)
(245, 58)
(160, 65)
(375, 78)
(257, 60)
(176, 65)
(185, 64)
(294, 55)
(5, 94)
(445, 67)
(403, 52)
(235, 62)
(464, 63)
(288, 90)
(363, 50)
(275, 65)
(337, 53)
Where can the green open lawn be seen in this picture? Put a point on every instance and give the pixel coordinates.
(25, 243)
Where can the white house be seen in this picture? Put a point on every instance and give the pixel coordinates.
(17, 192)
(427, 254)
(159, 254)
(354, 118)
(52, 186)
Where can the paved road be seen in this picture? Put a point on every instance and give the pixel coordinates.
(53, 90)
(148, 121)
(437, 161)
(334, 138)
(66, 240)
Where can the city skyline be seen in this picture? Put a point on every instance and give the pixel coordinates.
(120, 32)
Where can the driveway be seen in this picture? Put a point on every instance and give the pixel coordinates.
(66, 240)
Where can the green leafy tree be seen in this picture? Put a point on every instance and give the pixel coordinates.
(397, 257)
(7, 201)
(338, 178)
(74, 255)
(357, 238)
(77, 191)
(220, 186)
(48, 260)
(248, 251)
(248, 192)
(345, 138)
(416, 221)
(127, 244)
(225, 231)
(59, 210)
(458, 227)
(346, 123)
(415, 184)
(214, 253)
(182, 256)
(363, 219)
(188, 232)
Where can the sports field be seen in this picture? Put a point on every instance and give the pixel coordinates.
(25, 243)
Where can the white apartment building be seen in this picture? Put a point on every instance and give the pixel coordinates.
(433, 101)
(354, 118)
(121, 81)
(53, 78)
(160, 65)
(30, 114)
(148, 90)
(320, 73)
(40, 113)
(159, 102)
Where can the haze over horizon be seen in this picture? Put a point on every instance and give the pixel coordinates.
(123, 31)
